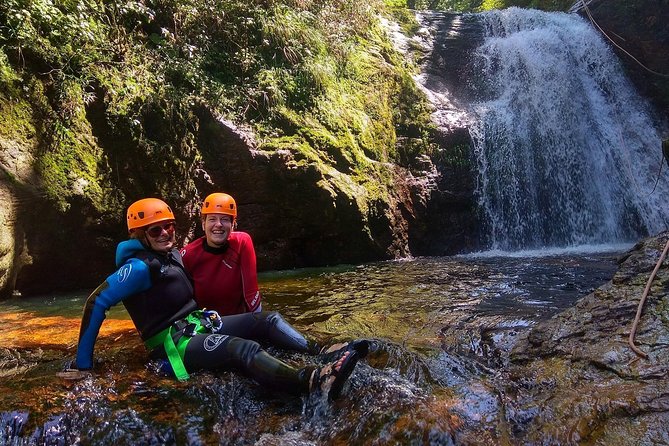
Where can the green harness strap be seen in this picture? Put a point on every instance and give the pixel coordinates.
(175, 352)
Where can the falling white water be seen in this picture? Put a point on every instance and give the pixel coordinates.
(566, 150)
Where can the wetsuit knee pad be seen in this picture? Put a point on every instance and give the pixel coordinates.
(242, 350)
(274, 318)
(284, 335)
(267, 316)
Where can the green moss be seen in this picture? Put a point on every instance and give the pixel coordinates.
(493, 4)
(69, 167)
(16, 119)
(403, 16)
(320, 79)
(366, 95)
(9, 78)
(125, 90)
(485, 5)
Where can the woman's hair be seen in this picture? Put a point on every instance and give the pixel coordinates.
(138, 233)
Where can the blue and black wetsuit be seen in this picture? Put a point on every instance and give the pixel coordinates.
(158, 294)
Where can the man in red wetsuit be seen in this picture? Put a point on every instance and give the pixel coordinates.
(223, 262)
(223, 267)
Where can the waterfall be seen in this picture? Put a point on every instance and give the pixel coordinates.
(567, 152)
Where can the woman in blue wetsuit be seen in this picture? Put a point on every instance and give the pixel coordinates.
(158, 294)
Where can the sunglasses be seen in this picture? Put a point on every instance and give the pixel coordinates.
(155, 231)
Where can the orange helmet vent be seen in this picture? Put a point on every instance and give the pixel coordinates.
(219, 203)
(147, 211)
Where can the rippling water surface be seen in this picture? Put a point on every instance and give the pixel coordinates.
(420, 385)
(395, 299)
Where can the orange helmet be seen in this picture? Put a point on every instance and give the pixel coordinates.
(147, 211)
(219, 203)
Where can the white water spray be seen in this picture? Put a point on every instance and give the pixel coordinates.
(566, 151)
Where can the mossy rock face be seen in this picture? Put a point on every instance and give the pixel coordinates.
(9, 242)
(17, 184)
(300, 210)
(51, 189)
(121, 106)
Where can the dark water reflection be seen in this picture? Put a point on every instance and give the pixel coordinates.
(419, 386)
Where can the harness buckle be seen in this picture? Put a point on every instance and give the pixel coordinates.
(190, 330)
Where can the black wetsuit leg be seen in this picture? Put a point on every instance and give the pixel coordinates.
(224, 352)
(267, 326)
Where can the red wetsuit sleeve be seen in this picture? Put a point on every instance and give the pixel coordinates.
(249, 273)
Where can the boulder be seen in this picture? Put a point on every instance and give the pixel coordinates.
(575, 379)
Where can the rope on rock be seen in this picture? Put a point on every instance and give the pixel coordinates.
(659, 171)
(587, 10)
(584, 4)
(643, 300)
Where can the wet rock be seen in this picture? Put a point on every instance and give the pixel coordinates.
(16, 175)
(595, 378)
(639, 35)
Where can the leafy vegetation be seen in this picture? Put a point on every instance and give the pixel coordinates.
(319, 77)
(484, 5)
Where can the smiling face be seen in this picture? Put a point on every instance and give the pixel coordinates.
(161, 236)
(217, 228)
